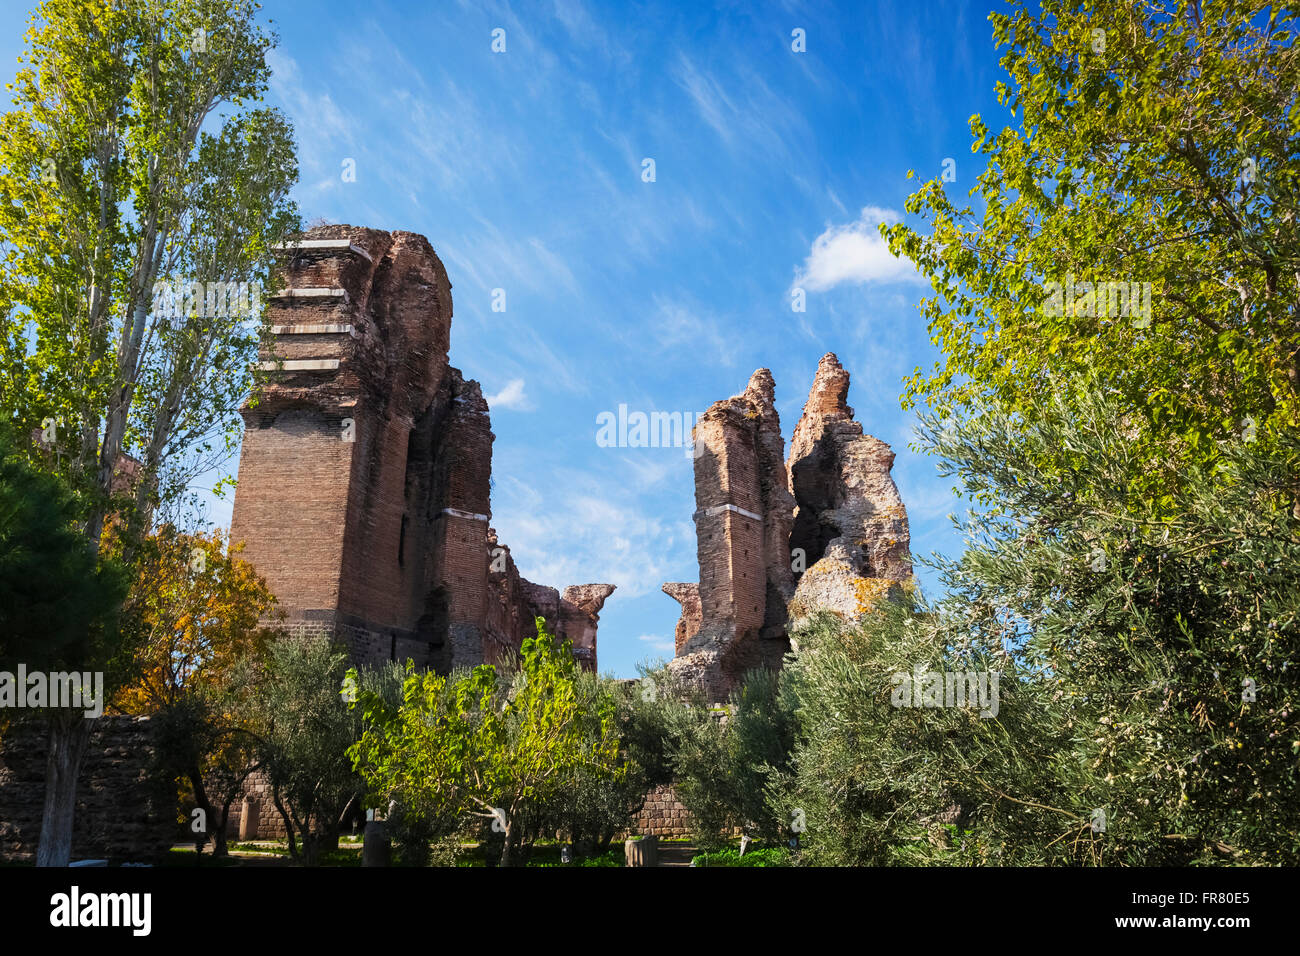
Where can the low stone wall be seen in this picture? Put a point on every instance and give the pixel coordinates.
(663, 815)
(124, 812)
(270, 825)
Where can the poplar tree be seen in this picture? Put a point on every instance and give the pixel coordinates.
(135, 154)
(1143, 144)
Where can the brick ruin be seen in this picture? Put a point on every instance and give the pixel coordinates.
(364, 479)
(365, 476)
(743, 516)
(364, 501)
(777, 538)
(850, 524)
(687, 594)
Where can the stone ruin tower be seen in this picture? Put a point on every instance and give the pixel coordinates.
(779, 539)
(363, 494)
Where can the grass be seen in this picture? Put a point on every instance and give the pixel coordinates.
(277, 851)
(611, 857)
(770, 856)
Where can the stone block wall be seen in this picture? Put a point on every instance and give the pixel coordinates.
(270, 825)
(125, 812)
(662, 815)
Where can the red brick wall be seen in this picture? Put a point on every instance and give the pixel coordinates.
(730, 544)
(290, 512)
(381, 540)
(462, 543)
(375, 586)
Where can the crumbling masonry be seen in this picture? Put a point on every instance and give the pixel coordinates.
(778, 540)
(363, 493)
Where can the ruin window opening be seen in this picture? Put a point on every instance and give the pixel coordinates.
(401, 544)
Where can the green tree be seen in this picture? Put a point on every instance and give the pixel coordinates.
(1147, 700)
(302, 715)
(1136, 469)
(1164, 641)
(728, 763)
(59, 601)
(486, 745)
(131, 156)
(58, 607)
(874, 784)
(600, 800)
(1150, 145)
(414, 752)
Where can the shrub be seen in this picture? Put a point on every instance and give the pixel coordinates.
(728, 766)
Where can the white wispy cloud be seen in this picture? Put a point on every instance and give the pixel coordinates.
(584, 31)
(585, 527)
(854, 252)
(665, 645)
(682, 326)
(325, 133)
(737, 103)
(286, 83)
(844, 210)
(928, 495)
(511, 396)
(493, 260)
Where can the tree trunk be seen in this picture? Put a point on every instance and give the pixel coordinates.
(69, 734)
(508, 850)
(202, 802)
(336, 823)
(288, 825)
(328, 839)
(219, 831)
(311, 846)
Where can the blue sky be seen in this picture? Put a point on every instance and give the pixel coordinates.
(525, 171)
